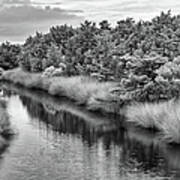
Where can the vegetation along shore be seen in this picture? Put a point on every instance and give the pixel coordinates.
(132, 68)
(5, 125)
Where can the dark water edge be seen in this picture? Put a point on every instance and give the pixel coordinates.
(58, 140)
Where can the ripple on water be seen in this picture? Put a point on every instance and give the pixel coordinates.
(62, 145)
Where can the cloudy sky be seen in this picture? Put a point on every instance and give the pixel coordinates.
(20, 18)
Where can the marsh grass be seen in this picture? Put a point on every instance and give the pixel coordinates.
(20, 77)
(104, 100)
(5, 128)
(53, 104)
(77, 88)
(82, 89)
(163, 117)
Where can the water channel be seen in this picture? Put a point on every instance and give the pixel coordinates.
(56, 139)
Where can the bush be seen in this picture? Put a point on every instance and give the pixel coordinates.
(9, 55)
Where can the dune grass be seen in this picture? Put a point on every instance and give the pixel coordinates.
(163, 117)
(81, 89)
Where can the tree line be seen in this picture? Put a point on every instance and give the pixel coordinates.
(143, 57)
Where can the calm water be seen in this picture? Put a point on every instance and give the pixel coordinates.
(57, 140)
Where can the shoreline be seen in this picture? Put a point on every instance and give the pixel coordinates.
(85, 91)
(6, 131)
(54, 104)
(162, 118)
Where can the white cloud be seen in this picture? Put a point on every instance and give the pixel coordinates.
(109, 9)
(19, 19)
(31, 17)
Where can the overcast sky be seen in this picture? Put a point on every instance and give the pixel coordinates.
(20, 18)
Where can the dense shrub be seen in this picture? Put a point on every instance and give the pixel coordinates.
(93, 47)
(139, 75)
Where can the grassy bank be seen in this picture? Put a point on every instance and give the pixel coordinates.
(163, 117)
(5, 126)
(83, 90)
(53, 105)
(4, 119)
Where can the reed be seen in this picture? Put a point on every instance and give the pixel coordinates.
(162, 116)
(5, 127)
(77, 88)
(17, 76)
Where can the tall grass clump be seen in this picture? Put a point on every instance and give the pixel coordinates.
(5, 128)
(78, 88)
(162, 116)
(27, 79)
(104, 99)
(17, 76)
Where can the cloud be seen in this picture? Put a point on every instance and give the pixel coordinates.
(18, 22)
(27, 2)
(19, 18)
(13, 2)
(114, 10)
(17, 14)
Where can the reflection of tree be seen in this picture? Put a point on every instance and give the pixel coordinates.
(61, 121)
(4, 92)
(66, 122)
(151, 156)
(133, 153)
(147, 158)
(133, 149)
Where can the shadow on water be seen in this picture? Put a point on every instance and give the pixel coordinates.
(63, 121)
(132, 150)
(61, 103)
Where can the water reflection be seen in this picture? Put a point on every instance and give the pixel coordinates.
(65, 142)
(133, 153)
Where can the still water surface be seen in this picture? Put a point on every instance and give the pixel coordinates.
(58, 141)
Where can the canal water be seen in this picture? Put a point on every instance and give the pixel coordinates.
(55, 139)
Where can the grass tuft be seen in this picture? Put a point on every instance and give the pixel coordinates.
(77, 88)
(20, 77)
(164, 117)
